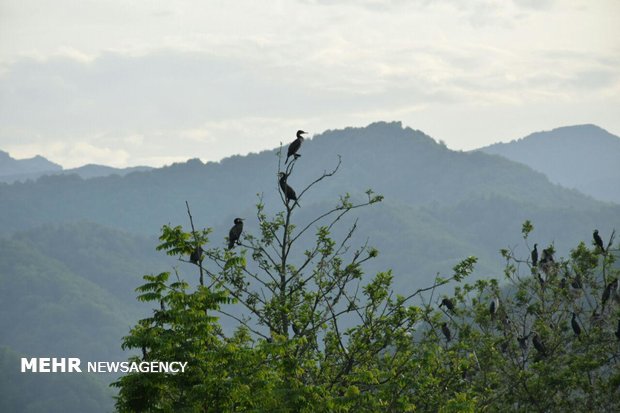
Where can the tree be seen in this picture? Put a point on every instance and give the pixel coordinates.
(313, 335)
(311, 332)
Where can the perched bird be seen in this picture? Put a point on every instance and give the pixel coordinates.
(575, 325)
(539, 345)
(289, 193)
(448, 303)
(563, 283)
(547, 256)
(612, 287)
(294, 146)
(598, 240)
(196, 255)
(576, 283)
(493, 307)
(617, 332)
(535, 255)
(446, 332)
(235, 233)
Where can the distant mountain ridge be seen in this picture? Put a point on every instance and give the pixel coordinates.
(583, 157)
(21, 170)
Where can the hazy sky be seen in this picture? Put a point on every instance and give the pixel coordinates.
(151, 82)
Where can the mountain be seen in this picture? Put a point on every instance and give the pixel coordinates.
(583, 157)
(13, 170)
(72, 250)
(37, 165)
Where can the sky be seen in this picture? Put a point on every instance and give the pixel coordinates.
(149, 82)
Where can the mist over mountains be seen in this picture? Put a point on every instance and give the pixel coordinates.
(73, 249)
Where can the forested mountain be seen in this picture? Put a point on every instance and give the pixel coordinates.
(21, 170)
(72, 250)
(584, 157)
(22, 167)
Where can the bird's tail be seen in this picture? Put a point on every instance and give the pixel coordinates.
(231, 245)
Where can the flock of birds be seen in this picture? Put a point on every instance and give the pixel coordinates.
(546, 259)
(545, 263)
(289, 193)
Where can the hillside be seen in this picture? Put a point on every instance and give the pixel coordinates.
(583, 157)
(73, 250)
(16, 167)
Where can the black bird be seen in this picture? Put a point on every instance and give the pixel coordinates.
(446, 332)
(196, 255)
(598, 240)
(235, 233)
(535, 256)
(448, 303)
(289, 193)
(493, 307)
(575, 325)
(539, 345)
(294, 146)
(576, 283)
(611, 287)
(617, 332)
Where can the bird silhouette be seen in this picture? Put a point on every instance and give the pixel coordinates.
(446, 332)
(539, 345)
(493, 307)
(196, 255)
(535, 256)
(448, 303)
(235, 233)
(598, 240)
(294, 146)
(617, 332)
(575, 325)
(289, 193)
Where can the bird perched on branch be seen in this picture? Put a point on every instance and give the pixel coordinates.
(598, 240)
(294, 146)
(539, 345)
(535, 256)
(575, 325)
(289, 193)
(448, 304)
(196, 255)
(235, 233)
(493, 307)
(446, 332)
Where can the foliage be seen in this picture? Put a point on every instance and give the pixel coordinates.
(314, 333)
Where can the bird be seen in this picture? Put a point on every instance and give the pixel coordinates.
(196, 255)
(539, 345)
(493, 307)
(576, 283)
(289, 193)
(446, 332)
(448, 303)
(294, 146)
(598, 240)
(611, 287)
(617, 332)
(235, 233)
(535, 256)
(575, 325)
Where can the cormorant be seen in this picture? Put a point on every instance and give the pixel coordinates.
(598, 240)
(611, 287)
(235, 233)
(446, 332)
(575, 325)
(539, 345)
(294, 146)
(493, 307)
(289, 193)
(448, 303)
(196, 256)
(535, 256)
